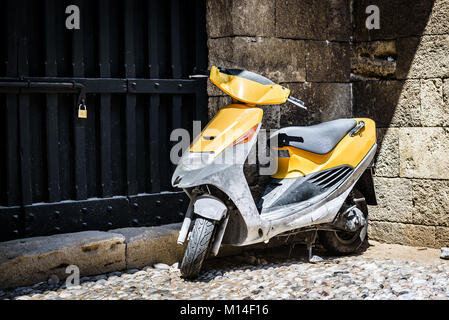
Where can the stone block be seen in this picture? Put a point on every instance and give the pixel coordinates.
(32, 260)
(277, 59)
(387, 155)
(301, 19)
(395, 200)
(388, 23)
(411, 17)
(328, 61)
(146, 246)
(434, 111)
(376, 59)
(389, 103)
(397, 19)
(400, 233)
(442, 237)
(325, 102)
(446, 92)
(218, 18)
(431, 202)
(240, 18)
(338, 20)
(424, 153)
(313, 19)
(423, 57)
(438, 22)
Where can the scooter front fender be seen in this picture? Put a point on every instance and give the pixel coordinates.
(210, 208)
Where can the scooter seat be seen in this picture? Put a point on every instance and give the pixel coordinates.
(321, 138)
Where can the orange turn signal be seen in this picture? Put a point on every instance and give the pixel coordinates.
(247, 136)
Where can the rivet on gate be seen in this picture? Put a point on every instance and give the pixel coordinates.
(84, 224)
(84, 210)
(156, 85)
(57, 213)
(109, 209)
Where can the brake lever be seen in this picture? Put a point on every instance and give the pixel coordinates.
(296, 102)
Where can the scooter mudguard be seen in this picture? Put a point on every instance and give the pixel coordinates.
(210, 208)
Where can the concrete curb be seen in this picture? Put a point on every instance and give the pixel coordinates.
(32, 260)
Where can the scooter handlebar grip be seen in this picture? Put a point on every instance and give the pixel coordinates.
(297, 102)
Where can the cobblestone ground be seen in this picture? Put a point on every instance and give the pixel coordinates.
(261, 275)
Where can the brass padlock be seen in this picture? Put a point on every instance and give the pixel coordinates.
(82, 111)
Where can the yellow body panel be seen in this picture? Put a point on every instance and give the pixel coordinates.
(230, 123)
(248, 91)
(349, 151)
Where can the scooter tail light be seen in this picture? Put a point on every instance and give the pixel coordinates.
(247, 136)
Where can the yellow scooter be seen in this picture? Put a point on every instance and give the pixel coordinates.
(322, 184)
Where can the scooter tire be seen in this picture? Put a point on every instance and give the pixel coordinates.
(340, 243)
(197, 247)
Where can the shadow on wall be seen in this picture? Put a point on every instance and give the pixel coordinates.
(387, 64)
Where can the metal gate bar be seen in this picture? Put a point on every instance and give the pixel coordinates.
(153, 120)
(101, 85)
(105, 101)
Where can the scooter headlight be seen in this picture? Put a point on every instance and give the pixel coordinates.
(196, 160)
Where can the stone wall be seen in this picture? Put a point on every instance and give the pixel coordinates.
(400, 79)
(397, 75)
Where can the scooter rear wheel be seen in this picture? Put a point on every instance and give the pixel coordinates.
(197, 247)
(341, 242)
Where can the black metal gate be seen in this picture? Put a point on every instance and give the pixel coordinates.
(130, 59)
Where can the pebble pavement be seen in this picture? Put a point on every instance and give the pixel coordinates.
(260, 276)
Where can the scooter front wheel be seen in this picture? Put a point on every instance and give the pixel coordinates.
(197, 247)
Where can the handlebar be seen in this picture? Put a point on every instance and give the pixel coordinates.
(297, 102)
(197, 76)
(199, 73)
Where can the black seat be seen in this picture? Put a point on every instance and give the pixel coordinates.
(320, 138)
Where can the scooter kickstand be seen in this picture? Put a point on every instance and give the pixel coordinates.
(292, 246)
(311, 241)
